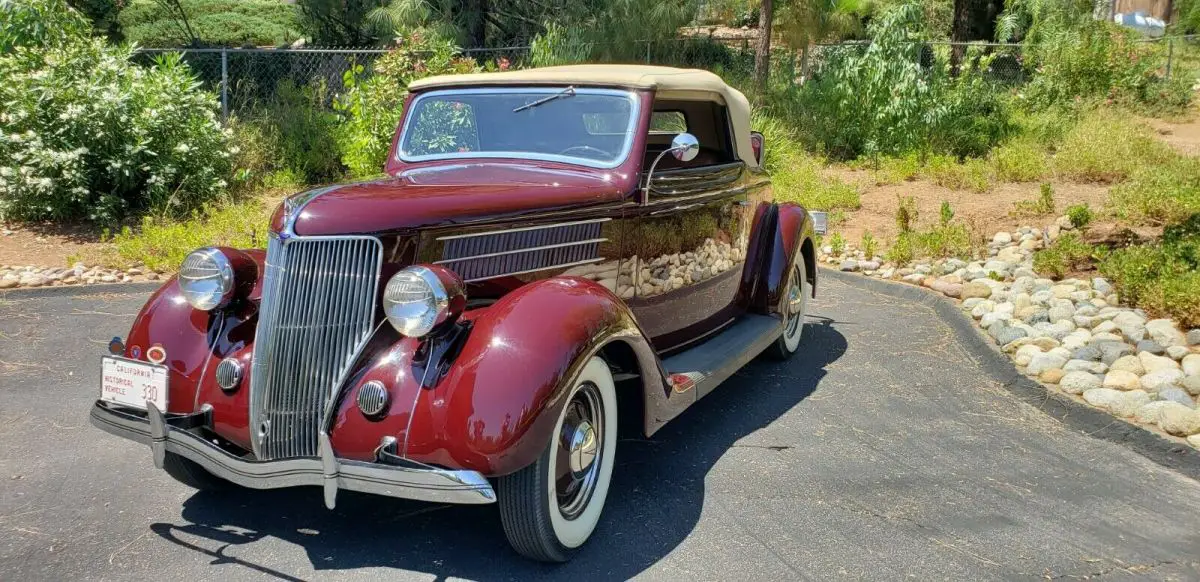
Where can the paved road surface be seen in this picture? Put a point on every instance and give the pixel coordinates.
(883, 451)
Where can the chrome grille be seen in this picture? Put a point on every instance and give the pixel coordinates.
(318, 305)
(488, 255)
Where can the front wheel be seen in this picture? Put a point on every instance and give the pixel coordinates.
(798, 292)
(550, 508)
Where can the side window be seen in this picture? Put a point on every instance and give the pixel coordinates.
(672, 122)
(443, 127)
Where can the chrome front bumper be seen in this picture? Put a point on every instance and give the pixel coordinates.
(174, 434)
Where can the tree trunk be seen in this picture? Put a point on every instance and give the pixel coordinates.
(762, 53)
(973, 20)
(474, 19)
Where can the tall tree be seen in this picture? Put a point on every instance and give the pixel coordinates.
(762, 52)
(973, 20)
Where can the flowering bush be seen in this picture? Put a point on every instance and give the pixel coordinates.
(371, 108)
(85, 134)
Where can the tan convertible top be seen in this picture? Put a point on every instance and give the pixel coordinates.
(666, 82)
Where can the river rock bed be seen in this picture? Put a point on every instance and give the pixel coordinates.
(1072, 335)
(12, 276)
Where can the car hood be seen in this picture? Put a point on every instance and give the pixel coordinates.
(444, 195)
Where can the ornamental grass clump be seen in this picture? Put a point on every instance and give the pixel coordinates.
(85, 134)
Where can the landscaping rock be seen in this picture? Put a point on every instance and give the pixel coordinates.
(9, 282)
(1007, 334)
(1193, 337)
(1051, 376)
(945, 288)
(1089, 353)
(1117, 402)
(1157, 380)
(1002, 238)
(1149, 413)
(1164, 332)
(1153, 363)
(1191, 364)
(1078, 382)
(1176, 394)
(1192, 385)
(1132, 325)
(1128, 364)
(1179, 420)
(1085, 366)
(1194, 440)
(848, 265)
(1111, 351)
(976, 289)
(1045, 361)
(1122, 380)
(1178, 352)
(1151, 347)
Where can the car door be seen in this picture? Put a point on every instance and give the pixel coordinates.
(685, 243)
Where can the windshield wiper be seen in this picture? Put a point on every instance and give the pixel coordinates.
(568, 92)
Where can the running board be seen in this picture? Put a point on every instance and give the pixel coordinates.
(705, 366)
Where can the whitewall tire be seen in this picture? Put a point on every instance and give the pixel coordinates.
(795, 309)
(550, 508)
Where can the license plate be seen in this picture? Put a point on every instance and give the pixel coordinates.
(133, 383)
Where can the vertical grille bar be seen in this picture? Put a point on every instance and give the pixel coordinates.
(317, 308)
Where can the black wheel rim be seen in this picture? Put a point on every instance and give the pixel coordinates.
(580, 451)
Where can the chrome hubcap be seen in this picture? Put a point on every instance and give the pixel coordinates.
(579, 451)
(795, 303)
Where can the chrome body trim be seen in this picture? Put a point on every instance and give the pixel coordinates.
(620, 157)
(523, 229)
(546, 268)
(171, 434)
(319, 298)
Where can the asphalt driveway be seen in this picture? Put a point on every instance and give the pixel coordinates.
(882, 451)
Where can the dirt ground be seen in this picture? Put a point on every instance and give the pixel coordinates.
(46, 244)
(988, 212)
(1184, 137)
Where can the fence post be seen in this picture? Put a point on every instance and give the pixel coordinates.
(224, 85)
(1170, 53)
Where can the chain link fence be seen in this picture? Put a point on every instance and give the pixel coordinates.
(246, 76)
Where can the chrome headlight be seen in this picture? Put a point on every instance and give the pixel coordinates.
(206, 279)
(418, 299)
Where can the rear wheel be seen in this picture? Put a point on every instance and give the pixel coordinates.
(550, 508)
(798, 292)
(193, 475)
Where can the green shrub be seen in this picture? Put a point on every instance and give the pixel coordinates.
(1019, 160)
(906, 213)
(896, 169)
(1163, 279)
(901, 251)
(1068, 253)
(162, 244)
(837, 243)
(300, 132)
(881, 101)
(1080, 215)
(1160, 194)
(87, 135)
(1098, 60)
(945, 213)
(1040, 206)
(797, 176)
(869, 245)
(971, 174)
(212, 22)
(39, 24)
(371, 107)
(1106, 147)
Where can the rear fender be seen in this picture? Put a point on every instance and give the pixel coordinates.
(791, 233)
(494, 403)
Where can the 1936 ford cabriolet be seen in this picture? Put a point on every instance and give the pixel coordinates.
(552, 250)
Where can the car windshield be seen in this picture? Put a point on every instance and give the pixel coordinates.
(591, 127)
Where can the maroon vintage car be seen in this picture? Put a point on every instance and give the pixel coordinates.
(551, 250)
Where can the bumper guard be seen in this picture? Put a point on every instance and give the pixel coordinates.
(174, 434)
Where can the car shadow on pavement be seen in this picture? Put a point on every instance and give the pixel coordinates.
(655, 501)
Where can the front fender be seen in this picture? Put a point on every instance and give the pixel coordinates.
(195, 342)
(495, 406)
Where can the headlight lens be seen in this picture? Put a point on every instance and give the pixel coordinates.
(415, 301)
(206, 279)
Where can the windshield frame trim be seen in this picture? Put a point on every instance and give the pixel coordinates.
(621, 158)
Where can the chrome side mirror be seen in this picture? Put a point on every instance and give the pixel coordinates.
(685, 147)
